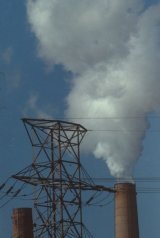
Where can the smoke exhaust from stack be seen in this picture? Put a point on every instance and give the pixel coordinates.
(112, 48)
(126, 215)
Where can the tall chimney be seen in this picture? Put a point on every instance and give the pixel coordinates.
(126, 216)
(22, 223)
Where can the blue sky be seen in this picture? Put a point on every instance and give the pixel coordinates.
(33, 86)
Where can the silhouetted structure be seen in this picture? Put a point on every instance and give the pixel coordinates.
(126, 217)
(22, 223)
(56, 173)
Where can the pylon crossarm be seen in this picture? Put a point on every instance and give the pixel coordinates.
(66, 184)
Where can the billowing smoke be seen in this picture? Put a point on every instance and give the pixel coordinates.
(113, 49)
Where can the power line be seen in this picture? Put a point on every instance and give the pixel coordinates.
(111, 117)
(122, 131)
(131, 180)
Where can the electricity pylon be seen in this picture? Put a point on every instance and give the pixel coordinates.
(57, 176)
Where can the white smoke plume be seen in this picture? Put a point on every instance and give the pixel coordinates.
(113, 49)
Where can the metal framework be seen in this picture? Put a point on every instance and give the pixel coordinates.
(56, 175)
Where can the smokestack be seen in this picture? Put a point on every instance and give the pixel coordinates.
(126, 217)
(22, 223)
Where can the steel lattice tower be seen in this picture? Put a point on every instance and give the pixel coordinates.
(56, 171)
(55, 174)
